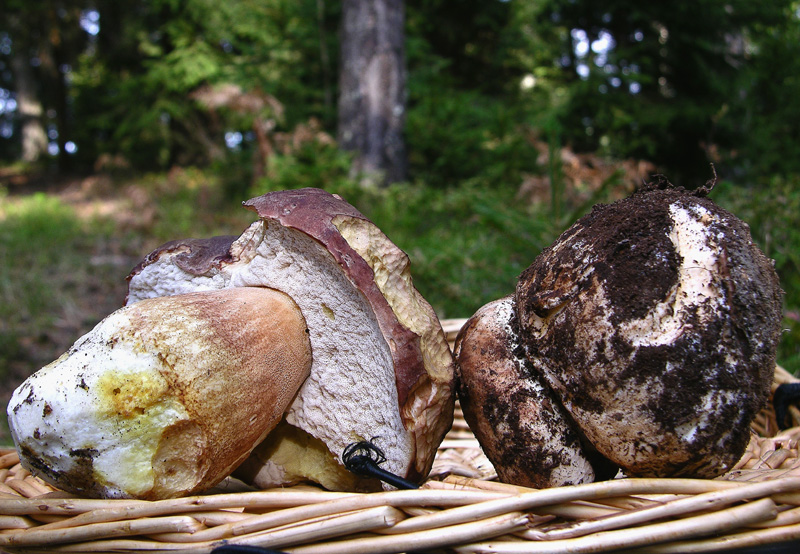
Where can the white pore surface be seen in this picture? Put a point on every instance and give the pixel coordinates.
(62, 408)
(351, 394)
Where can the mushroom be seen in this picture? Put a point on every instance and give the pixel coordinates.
(519, 422)
(164, 397)
(381, 369)
(654, 321)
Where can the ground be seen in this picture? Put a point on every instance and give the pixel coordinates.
(67, 245)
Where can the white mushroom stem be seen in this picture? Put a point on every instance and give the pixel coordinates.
(164, 397)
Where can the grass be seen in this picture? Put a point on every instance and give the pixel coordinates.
(64, 256)
(34, 234)
(52, 284)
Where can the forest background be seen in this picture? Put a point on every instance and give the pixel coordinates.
(127, 124)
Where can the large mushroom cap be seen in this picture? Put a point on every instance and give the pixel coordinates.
(656, 320)
(381, 370)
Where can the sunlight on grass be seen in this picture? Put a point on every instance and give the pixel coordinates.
(38, 234)
(33, 234)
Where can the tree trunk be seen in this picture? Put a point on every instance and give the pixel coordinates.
(372, 89)
(29, 108)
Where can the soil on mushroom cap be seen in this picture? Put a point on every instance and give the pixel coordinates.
(625, 251)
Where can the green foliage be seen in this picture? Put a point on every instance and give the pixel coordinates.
(678, 85)
(461, 135)
(766, 114)
(461, 125)
(33, 234)
(656, 80)
(132, 92)
(477, 39)
(467, 244)
(314, 164)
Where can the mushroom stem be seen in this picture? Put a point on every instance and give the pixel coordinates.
(165, 396)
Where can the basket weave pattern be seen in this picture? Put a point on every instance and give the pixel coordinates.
(461, 507)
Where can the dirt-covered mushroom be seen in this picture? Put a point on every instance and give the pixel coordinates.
(655, 321)
(164, 397)
(519, 422)
(382, 370)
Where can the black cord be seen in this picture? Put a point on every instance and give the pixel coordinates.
(364, 458)
(785, 395)
(243, 549)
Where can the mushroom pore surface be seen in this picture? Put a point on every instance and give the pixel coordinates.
(381, 368)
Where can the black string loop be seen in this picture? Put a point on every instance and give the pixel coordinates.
(363, 458)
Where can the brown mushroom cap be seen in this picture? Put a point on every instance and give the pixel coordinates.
(382, 368)
(656, 321)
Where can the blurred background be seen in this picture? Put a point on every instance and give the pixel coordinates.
(472, 132)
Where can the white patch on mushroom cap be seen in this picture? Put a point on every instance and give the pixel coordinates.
(712, 403)
(697, 289)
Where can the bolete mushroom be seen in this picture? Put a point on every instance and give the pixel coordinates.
(654, 321)
(380, 370)
(518, 420)
(164, 397)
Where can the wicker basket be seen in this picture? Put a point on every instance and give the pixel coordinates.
(460, 508)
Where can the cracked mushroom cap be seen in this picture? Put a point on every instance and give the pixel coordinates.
(656, 320)
(382, 369)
